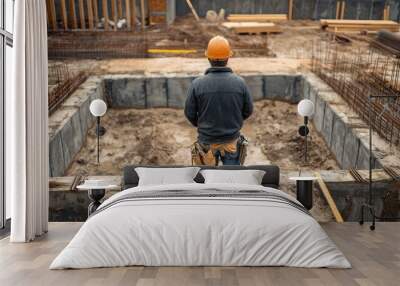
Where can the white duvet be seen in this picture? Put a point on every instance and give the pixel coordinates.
(193, 231)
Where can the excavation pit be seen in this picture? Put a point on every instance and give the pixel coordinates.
(145, 125)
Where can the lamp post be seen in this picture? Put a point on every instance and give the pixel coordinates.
(98, 108)
(305, 108)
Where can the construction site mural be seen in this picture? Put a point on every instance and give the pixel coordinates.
(286, 83)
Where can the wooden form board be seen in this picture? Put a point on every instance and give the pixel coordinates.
(133, 13)
(64, 16)
(386, 12)
(72, 14)
(95, 12)
(257, 17)
(105, 15)
(89, 5)
(342, 9)
(359, 25)
(158, 11)
(143, 13)
(81, 15)
(114, 15)
(128, 14)
(196, 16)
(52, 16)
(290, 9)
(252, 27)
(84, 14)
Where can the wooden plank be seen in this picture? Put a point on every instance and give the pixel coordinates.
(64, 16)
(77, 181)
(171, 51)
(47, 13)
(133, 14)
(357, 22)
(324, 189)
(257, 15)
(82, 15)
(369, 30)
(114, 12)
(189, 3)
(105, 15)
(290, 10)
(342, 9)
(358, 25)
(252, 27)
(52, 14)
(72, 14)
(142, 14)
(261, 16)
(119, 5)
(128, 14)
(386, 12)
(95, 13)
(90, 14)
(149, 9)
(338, 5)
(258, 18)
(158, 10)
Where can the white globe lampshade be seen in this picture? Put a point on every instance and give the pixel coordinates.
(305, 108)
(98, 107)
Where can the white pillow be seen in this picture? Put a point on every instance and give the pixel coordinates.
(248, 177)
(166, 176)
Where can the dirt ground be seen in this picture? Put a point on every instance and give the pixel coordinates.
(163, 137)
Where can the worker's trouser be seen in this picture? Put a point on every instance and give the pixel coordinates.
(228, 158)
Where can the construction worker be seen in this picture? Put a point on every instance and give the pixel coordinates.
(217, 104)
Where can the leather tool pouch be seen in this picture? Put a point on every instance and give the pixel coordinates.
(201, 155)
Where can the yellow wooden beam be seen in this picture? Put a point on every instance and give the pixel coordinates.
(165, 51)
(328, 197)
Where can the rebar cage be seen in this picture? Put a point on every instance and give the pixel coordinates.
(359, 74)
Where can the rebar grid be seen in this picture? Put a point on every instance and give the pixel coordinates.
(62, 84)
(97, 45)
(357, 75)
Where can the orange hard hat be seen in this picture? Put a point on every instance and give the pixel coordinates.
(218, 49)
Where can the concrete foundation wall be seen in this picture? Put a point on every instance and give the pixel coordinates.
(69, 125)
(338, 125)
(144, 92)
(350, 196)
(302, 9)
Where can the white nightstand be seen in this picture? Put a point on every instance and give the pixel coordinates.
(96, 191)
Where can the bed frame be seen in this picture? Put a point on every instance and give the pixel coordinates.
(270, 179)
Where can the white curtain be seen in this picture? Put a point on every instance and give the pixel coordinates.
(26, 124)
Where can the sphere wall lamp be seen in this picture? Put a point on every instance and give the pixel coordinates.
(98, 108)
(305, 108)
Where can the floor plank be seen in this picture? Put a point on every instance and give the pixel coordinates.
(375, 257)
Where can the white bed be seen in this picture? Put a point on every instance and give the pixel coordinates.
(249, 226)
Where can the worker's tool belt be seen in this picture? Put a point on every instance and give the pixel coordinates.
(204, 154)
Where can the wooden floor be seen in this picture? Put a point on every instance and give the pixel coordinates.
(375, 257)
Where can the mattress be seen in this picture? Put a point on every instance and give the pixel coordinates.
(201, 225)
